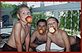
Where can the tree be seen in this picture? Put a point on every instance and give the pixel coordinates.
(70, 20)
(3, 5)
(37, 16)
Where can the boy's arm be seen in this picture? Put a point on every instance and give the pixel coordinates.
(17, 36)
(66, 41)
(33, 37)
(27, 40)
(48, 44)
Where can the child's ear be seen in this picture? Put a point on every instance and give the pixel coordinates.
(18, 16)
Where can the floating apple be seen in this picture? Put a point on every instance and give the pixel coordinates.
(29, 19)
(52, 30)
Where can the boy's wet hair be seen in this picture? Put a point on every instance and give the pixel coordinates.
(22, 6)
(42, 20)
(53, 18)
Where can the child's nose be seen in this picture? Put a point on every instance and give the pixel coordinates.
(51, 25)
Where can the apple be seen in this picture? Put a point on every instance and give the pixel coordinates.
(29, 19)
(52, 30)
(40, 31)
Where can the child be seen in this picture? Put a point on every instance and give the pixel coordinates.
(20, 31)
(56, 35)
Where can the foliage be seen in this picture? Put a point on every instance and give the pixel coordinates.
(0, 4)
(70, 18)
(3, 5)
(12, 6)
(36, 17)
(14, 12)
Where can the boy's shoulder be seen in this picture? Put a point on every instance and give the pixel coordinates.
(17, 24)
(34, 32)
(62, 31)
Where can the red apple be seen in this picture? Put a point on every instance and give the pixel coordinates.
(29, 19)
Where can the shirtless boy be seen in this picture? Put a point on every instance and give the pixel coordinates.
(56, 35)
(39, 35)
(20, 31)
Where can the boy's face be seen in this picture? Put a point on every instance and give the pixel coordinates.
(42, 27)
(24, 12)
(52, 23)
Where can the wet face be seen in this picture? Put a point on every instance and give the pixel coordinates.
(52, 25)
(24, 12)
(42, 28)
